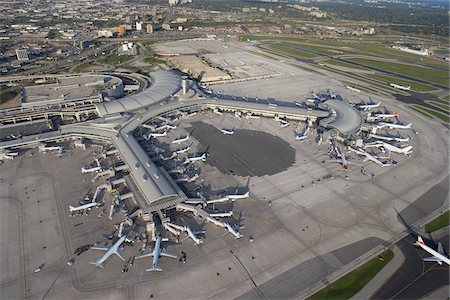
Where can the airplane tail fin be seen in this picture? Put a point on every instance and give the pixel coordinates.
(153, 268)
(419, 241)
(407, 149)
(409, 125)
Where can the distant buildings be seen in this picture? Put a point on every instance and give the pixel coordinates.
(84, 45)
(423, 52)
(165, 26)
(139, 25)
(105, 33)
(22, 54)
(149, 28)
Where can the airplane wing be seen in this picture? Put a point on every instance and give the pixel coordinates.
(433, 259)
(144, 255)
(100, 248)
(167, 254)
(440, 249)
(119, 253)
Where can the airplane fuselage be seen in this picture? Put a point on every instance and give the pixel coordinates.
(110, 251)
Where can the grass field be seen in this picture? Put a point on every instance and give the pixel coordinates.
(414, 85)
(384, 51)
(447, 98)
(418, 108)
(440, 105)
(341, 64)
(438, 223)
(291, 51)
(439, 115)
(431, 75)
(113, 59)
(350, 284)
(82, 68)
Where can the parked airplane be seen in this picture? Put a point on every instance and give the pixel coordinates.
(369, 156)
(368, 106)
(181, 139)
(390, 148)
(353, 89)
(193, 235)
(156, 134)
(183, 150)
(162, 157)
(331, 94)
(437, 256)
(234, 230)
(83, 207)
(394, 125)
(114, 249)
(252, 41)
(195, 158)
(156, 253)
(400, 87)
(390, 138)
(284, 123)
(301, 137)
(8, 155)
(227, 131)
(342, 159)
(237, 196)
(385, 115)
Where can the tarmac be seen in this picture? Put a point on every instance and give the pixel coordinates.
(307, 232)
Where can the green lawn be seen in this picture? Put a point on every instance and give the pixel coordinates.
(440, 105)
(414, 85)
(439, 115)
(114, 59)
(418, 108)
(352, 283)
(438, 223)
(447, 98)
(385, 51)
(432, 75)
(292, 51)
(341, 64)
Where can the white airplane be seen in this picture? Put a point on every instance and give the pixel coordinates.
(390, 138)
(83, 207)
(385, 115)
(301, 137)
(114, 249)
(252, 41)
(91, 170)
(181, 139)
(369, 156)
(237, 196)
(400, 87)
(193, 235)
(195, 158)
(317, 97)
(437, 256)
(284, 123)
(368, 106)
(183, 150)
(234, 230)
(331, 94)
(156, 253)
(342, 159)
(156, 134)
(221, 215)
(227, 131)
(8, 155)
(188, 179)
(394, 125)
(353, 89)
(171, 126)
(390, 148)
(174, 154)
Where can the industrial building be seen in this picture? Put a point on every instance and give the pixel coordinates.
(196, 68)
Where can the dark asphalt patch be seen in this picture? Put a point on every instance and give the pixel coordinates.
(245, 153)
